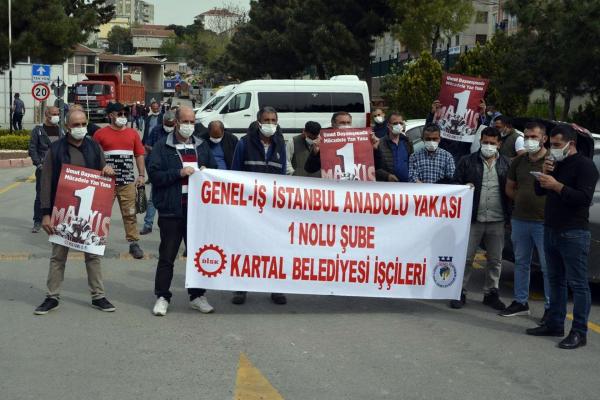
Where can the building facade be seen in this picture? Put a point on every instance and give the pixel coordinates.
(148, 39)
(218, 20)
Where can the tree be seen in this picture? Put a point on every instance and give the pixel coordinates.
(505, 63)
(332, 37)
(425, 22)
(561, 39)
(47, 30)
(412, 89)
(120, 40)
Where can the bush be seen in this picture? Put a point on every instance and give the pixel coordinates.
(412, 90)
(24, 132)
(14, 142)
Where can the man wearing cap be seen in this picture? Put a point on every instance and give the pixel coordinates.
(42, 136)
(298, 150)
(160, 132)
(121, 146)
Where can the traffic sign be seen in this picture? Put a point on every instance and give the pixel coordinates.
(40, 91)
(40, 73)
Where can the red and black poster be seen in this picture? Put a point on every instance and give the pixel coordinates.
(458, 115)
(347, 154)
(82, 209)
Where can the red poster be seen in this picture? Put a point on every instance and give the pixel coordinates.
(347, 154)
(82, 208)
(458, 116)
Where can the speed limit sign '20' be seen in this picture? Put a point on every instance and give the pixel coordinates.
(40, 91)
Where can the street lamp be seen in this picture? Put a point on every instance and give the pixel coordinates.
(58, 87)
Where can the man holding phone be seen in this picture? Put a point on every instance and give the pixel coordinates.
(527, 219)
(568, 181)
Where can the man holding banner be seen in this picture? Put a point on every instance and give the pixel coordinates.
(486, 171)
(172, 161)
(261, 150)
(76, 150)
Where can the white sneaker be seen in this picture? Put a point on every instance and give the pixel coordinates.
(160, 307)
(201, 304)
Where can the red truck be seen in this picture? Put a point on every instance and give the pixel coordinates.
(96, 92)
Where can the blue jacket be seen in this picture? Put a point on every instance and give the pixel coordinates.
(250, 153)
(156, 135)
(164, 168)
(147, 126)
(380, 130)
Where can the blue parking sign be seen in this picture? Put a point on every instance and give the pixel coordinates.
(40, 73)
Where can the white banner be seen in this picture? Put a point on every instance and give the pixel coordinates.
(276, 233)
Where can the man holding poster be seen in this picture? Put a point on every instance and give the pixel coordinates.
(75, 150)
(457, 112)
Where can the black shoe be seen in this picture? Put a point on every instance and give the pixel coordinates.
(456, 304)
(545, 331)
(573, 341)
(103, 305)
(492, 299)
(146, 230)
(278, 298)
(239, 298)
(514, 309)
(135, 251)
(545, 317)
(36, 227)
(48, 305)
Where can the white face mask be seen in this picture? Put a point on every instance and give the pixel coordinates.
(431, 145)
(268, 130)
(344, 126)
(379, 119)
(216, 140)
(79, 133)
(121, 121)
(488, 150)
(398, 129)
(55, 119)
(186, 130)
(309, 142)
(560, 154)
(532, 146)
(168, 129)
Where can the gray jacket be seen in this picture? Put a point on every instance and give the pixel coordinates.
(39, 144)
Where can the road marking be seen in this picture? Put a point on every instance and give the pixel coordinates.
(594, 327)
(17, 184)
(251, 384)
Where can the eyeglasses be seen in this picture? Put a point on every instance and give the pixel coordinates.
(121, 113)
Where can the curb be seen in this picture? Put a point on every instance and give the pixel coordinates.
(16, 163)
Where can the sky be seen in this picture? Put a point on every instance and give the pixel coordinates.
(182, 12)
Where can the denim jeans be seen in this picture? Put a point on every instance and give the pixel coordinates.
(567, 257)
(150, 212)
(525, 235)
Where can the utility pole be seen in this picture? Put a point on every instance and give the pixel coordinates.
(10, 113)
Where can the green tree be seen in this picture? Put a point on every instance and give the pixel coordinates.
(425, 22)
(412, 89)
(505, 64)
(120, 40)
(47, 30)
(561, 40)
(284, 38)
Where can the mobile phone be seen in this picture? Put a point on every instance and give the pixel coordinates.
(537, 174)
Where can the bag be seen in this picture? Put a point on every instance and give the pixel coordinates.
(141, 202)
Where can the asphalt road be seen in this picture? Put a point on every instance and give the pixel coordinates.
(316, 347)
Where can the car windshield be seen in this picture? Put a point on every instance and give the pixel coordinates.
(212, 103)
(92, 89)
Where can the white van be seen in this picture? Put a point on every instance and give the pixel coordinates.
(296, 102)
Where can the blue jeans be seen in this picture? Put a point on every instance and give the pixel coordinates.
(567, 257)
(150, 213)
(525, 235)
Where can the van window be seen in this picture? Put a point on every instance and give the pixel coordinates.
(239, 102)
(350, 102)
(282, 102)
(313, 102)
